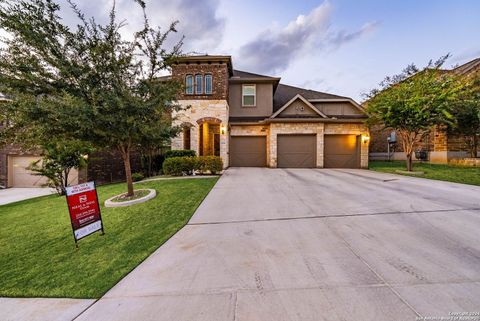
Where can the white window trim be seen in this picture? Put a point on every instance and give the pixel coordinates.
(254, 95)
(201, 83)
(192, 87)
(205, 84)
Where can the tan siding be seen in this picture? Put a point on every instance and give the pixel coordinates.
(264, 101)
(338, 108)
(298, 108)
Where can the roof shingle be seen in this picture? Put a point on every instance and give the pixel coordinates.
(284, 93)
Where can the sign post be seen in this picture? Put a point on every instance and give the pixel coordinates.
(82, 200)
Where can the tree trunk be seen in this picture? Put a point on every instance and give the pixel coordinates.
(66, 172)
(473, 148)
(409, 162)
(409, 140)
(125, 151)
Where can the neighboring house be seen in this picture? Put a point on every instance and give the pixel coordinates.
(440, 146)
(103, 167)
(254, 120)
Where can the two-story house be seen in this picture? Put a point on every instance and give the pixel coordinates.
(254, 120)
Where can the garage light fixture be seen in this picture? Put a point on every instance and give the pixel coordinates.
(365, 138)
(222, 129)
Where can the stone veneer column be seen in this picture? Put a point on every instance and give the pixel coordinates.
(195, 110)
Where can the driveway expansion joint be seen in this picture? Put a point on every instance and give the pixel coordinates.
(293, 218)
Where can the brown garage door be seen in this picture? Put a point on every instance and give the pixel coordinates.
(297, 151)
(248, 151)
(342, 151)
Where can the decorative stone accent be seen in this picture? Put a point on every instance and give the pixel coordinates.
(210, 120)
(196, 112)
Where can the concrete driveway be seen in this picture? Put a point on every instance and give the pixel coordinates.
(12, 195)
(308, 244)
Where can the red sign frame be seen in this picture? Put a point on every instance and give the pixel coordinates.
(84, 209)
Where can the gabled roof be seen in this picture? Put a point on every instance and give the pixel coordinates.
(248, 75)
(243, 76)
(468, 67)
(285, 93)
(306, 102)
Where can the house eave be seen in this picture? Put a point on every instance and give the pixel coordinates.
(314, 120)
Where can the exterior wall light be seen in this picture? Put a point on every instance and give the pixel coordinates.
(365, 138)
(222, 129)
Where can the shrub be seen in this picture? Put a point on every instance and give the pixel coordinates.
(137, 177)
(180, 153)
(177, 166)
(152, 164)
(211, 164)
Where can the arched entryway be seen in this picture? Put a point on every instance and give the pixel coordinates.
(209, 129)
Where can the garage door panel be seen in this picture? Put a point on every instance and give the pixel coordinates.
(296, 151)
(341, 151)
(248, 151)
(21, 176)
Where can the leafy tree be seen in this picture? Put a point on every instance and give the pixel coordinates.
(87, 83)
(58, 160)
(414, 101)
(466, 114)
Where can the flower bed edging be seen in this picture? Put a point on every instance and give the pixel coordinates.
(109, 203)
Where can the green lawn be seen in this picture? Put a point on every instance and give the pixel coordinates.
(37, 251)
(457, 174)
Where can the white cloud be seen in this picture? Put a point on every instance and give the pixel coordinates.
(273, 50)
(198, 20)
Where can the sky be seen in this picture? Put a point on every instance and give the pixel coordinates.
(344, 47)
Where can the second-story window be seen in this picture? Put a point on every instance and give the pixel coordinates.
(198, 84)
(208, 84)
(189, 84)
(248, 95)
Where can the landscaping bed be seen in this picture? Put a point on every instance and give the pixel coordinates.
(450, 173)
(136, 195)
(38, 255)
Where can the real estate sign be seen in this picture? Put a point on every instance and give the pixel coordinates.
(82, 200)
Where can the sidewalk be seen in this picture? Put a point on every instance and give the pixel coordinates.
(19, 309)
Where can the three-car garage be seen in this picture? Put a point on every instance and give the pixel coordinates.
(297, 151)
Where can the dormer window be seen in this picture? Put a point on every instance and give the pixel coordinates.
(189, 84)
(248, 95)
(208, 84)
(198, 84)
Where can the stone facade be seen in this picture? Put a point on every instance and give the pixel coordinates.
(320, 129)
(202, 110)
(352, 129)
(219, 72)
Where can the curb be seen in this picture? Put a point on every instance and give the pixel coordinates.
(152, 193)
